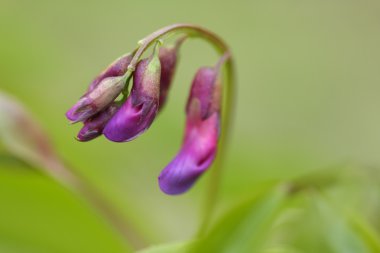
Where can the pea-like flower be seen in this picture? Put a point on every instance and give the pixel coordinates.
(201, 135)
(138, 112)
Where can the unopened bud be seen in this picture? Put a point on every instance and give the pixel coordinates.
(168, 58)
(98, 99)
(102, 91)
(93, 127)
(116, 68)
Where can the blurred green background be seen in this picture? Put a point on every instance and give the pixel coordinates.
(308, 98)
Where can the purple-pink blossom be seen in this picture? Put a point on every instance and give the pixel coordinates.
(200, 142)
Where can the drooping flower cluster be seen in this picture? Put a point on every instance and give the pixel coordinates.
(121, 120)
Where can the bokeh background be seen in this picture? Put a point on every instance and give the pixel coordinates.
(307, 99)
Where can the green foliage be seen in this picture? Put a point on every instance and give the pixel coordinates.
(291, 218)
(308, 97)
(313, 213)
(169, 248)
(245, 227)
(37, 215)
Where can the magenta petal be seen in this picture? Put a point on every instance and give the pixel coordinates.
(182, 172)
(196, 155)
(130, 121)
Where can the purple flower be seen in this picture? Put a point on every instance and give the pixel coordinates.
(201, 135)
(93, 127)
(138, 112)
(102, 91)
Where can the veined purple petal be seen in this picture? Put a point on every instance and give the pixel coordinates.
(196, 155)
(93, 127)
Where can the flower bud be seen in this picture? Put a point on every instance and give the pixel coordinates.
(201, 135)
(116, 68)
(102, 91)
(168, 58)
(96, 100)
(140, 109)
(93, 127)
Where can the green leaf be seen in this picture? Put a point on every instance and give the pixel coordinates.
(181, 247)
(281, 250)
(340, 233)
(320, 179)
(244, 229)
(368, 234)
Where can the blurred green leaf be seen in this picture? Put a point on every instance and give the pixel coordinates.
(38, 215)
(322, 178)
(281, 250)
(181, 247)
(339, 232)
(368, 234)
(245, 227)
(25, 139)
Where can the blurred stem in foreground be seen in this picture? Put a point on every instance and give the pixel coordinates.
(25, 139)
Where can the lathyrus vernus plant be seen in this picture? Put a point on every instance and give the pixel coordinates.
(125, 118)
(299, 215)
(102, 111)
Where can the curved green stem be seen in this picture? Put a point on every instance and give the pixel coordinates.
(189, 29)
(229, 96)
(25, 139)
(216, 172)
